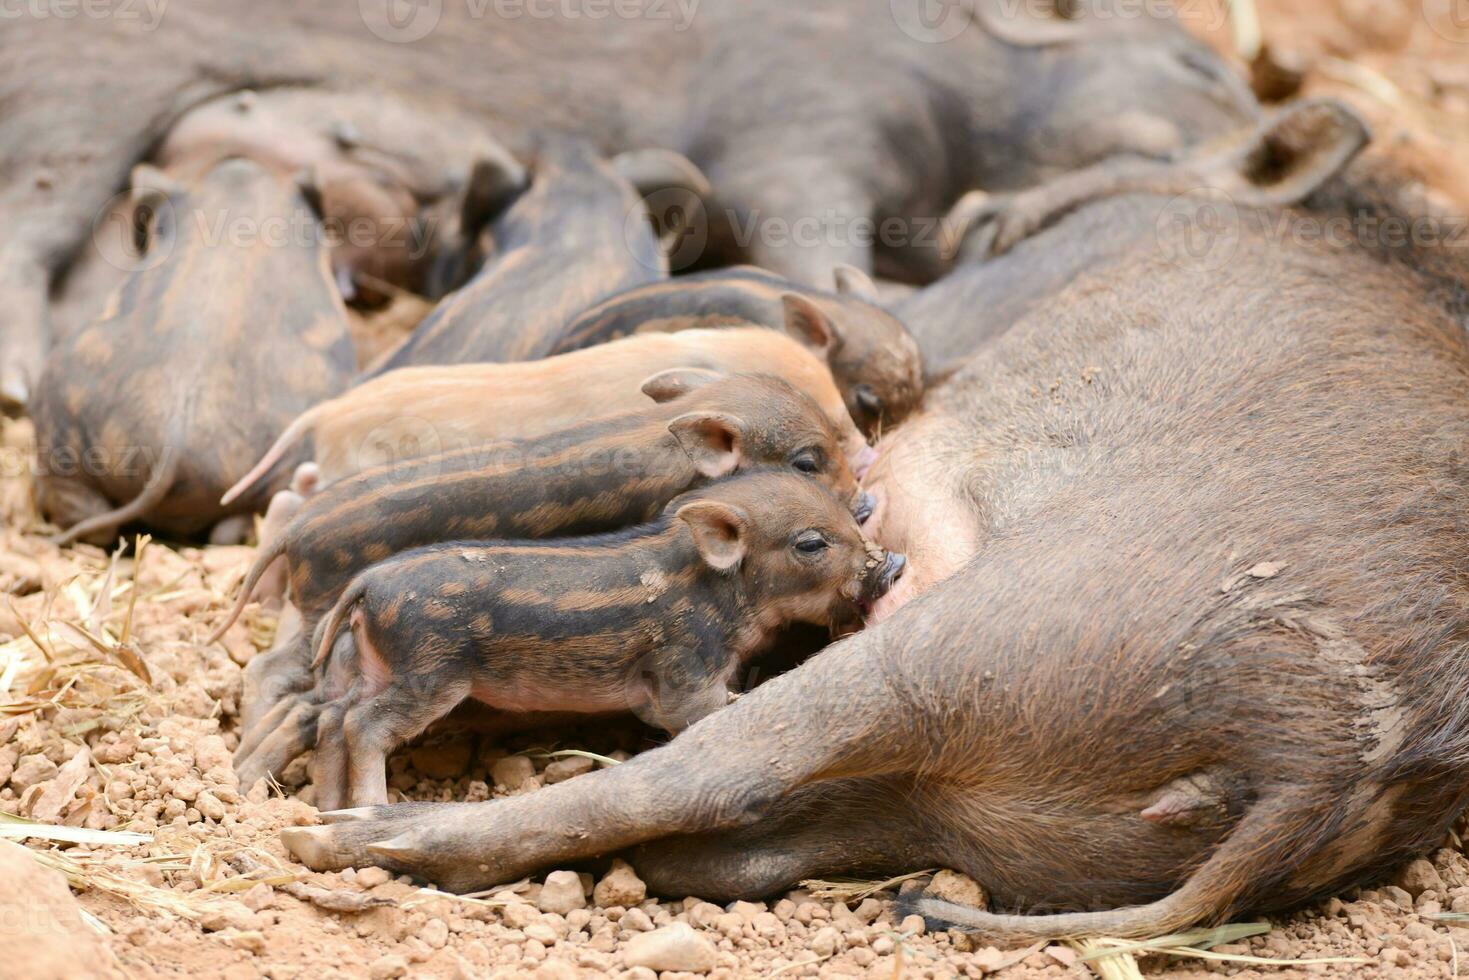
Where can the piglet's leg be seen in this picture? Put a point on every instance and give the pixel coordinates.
(329, 761)
(66, 502)
(291, 732)
(273, 682)
(25, 331)
(231, 530)
(375, 727)
(729, 770)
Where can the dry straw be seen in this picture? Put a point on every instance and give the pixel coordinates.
(85, 659)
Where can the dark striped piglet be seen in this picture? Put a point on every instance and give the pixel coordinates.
(655, 620)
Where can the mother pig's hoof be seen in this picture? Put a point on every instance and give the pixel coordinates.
(421, 839)
(328, 849)
(315, 848)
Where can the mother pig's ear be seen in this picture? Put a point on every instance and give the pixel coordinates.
(712, 440)
(720, 532)
(665, 386)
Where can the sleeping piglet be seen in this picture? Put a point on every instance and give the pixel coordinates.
(230, 328)
(656, 620)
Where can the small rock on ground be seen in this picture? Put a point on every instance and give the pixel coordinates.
(674, 947)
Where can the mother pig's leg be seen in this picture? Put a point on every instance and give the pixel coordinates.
(834, 717)
(868, 826)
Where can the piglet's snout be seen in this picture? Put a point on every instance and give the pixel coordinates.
(884, 576)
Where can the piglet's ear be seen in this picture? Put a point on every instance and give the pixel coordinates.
(495, 181)
(807, 323)
(852, 281)
(1300, 148)
(719, 532)
(148, 199)
(311, 182)
(665, 386)
(712, 440)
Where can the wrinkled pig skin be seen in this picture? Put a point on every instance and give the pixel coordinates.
(141, 415)
(1202, 660)
(827, 112)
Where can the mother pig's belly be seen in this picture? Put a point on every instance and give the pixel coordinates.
(920, 511)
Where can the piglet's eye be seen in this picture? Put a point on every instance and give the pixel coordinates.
(807, 461)
(811, 543)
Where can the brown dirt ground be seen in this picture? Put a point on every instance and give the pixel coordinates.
(216, 895)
